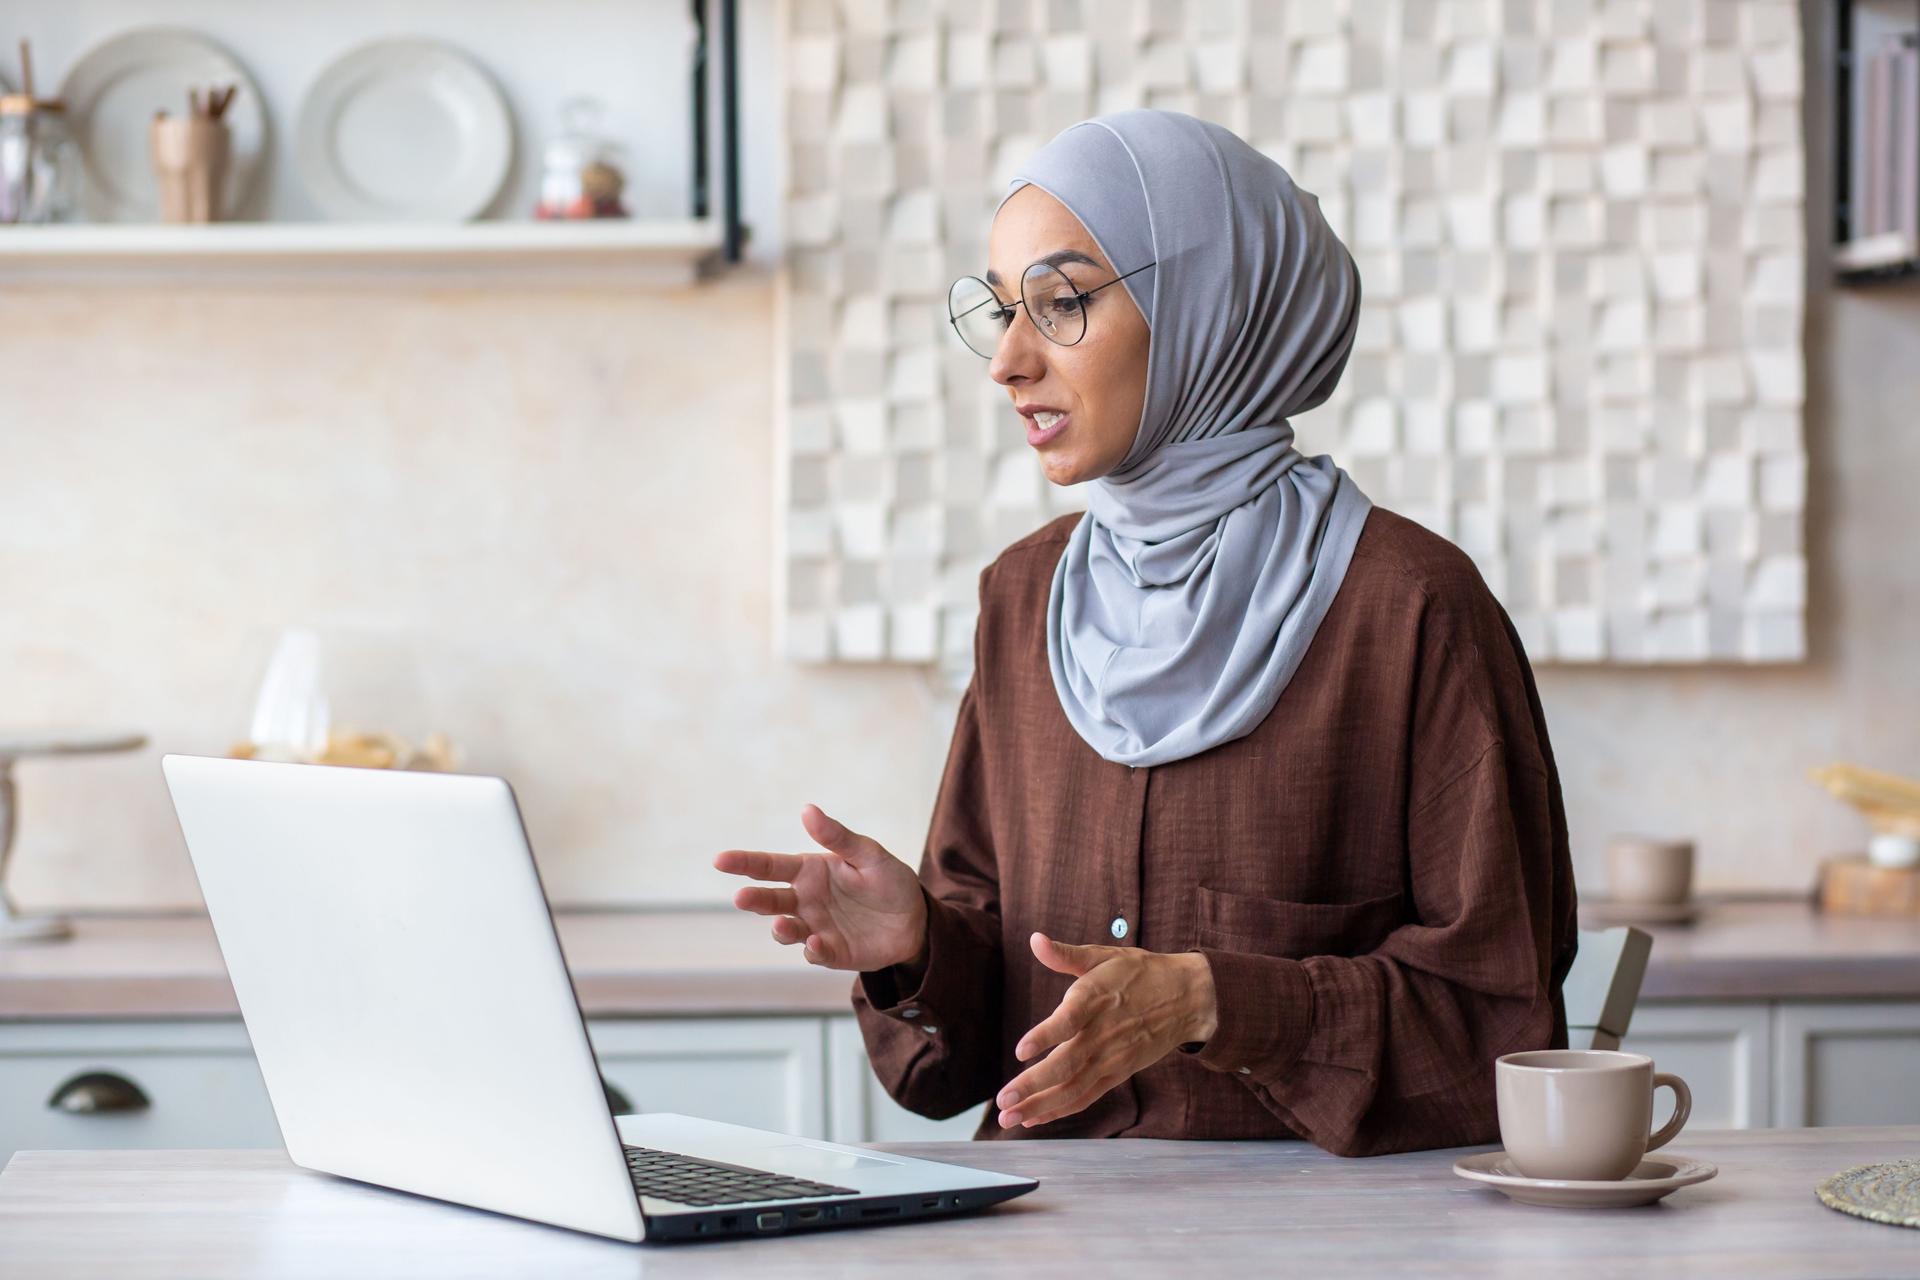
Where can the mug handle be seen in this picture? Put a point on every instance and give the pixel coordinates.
(1682, 1108)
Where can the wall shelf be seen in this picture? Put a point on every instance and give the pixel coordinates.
(614, 251)
(278, 236)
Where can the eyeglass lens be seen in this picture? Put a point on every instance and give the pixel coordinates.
(1057, 307)
(977, 314)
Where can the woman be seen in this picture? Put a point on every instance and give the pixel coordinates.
(1250, 826)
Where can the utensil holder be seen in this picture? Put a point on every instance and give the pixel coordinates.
(190, 164)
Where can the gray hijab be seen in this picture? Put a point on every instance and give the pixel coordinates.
(1189, 592)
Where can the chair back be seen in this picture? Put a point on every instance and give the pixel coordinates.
(1604, 984)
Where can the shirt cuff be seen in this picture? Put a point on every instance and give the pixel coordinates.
(928, 1002)
(1264, 1014)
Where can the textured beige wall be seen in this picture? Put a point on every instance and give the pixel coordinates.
(1579, 352)
(1721, 753)
(553, 510)
(557, 509)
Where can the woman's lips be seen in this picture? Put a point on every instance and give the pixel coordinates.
(1038, 435)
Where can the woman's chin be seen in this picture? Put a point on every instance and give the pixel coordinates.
(1062, 467)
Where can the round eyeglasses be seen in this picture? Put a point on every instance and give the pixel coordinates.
(1056, 306)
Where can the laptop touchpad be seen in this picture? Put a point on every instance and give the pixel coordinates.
(799, 1157)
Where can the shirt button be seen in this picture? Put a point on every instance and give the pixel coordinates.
(1119, 927)
(909, 1013)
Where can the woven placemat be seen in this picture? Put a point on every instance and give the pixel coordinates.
(1888, 1193)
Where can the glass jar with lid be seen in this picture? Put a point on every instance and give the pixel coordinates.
(39, 165)
(582, 170)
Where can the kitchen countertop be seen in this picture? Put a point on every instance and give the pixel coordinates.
(624, 963)
(1123, 1207)
(1782, 949)
(721, 962)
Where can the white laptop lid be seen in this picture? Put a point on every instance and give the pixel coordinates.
(399, 974)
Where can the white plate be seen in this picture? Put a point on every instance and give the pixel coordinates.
(112, 94)
(401, 131)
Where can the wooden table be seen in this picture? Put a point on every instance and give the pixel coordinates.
(1103, 1208)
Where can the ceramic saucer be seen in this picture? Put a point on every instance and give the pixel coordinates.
(1604, 912)
(1656, 1176)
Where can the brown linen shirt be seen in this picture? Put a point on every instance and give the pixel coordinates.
(1377, 875)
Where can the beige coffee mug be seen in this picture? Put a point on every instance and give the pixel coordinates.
(1642, 869)
(1582, 1114)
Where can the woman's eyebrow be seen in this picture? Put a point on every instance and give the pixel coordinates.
(1059, 257)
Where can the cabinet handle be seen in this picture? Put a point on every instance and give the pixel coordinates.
(98, 1092)
(618, 1101)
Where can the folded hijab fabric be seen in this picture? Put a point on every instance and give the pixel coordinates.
(1189, 592)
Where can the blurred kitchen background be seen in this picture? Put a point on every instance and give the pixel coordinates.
(555, 507)
(565, 392)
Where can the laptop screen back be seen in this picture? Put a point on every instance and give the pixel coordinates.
(401, 981)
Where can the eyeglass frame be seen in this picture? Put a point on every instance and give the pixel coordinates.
(1079, 294)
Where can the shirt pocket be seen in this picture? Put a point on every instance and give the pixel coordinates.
(1295, 930)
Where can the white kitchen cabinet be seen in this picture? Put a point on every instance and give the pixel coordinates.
(769, 1073)
(862, 1111)
(197, 1086)
(1723, 1052)
(202, 1088)
(1854, 1062)
(1749, 1063)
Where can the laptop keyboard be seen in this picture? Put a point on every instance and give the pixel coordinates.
(687, 1180)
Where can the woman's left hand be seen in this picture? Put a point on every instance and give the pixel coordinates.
(1127, 1009)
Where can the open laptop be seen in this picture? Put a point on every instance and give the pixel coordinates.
(414, 1021)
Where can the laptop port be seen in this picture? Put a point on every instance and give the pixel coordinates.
(930, 1203)
(771, 1221)
(880, 1211)
(807, 1215)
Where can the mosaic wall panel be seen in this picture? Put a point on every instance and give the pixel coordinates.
(1579, 226)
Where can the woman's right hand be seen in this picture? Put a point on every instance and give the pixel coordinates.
(854, 907)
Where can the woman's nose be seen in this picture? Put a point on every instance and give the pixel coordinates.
(1021, 356)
